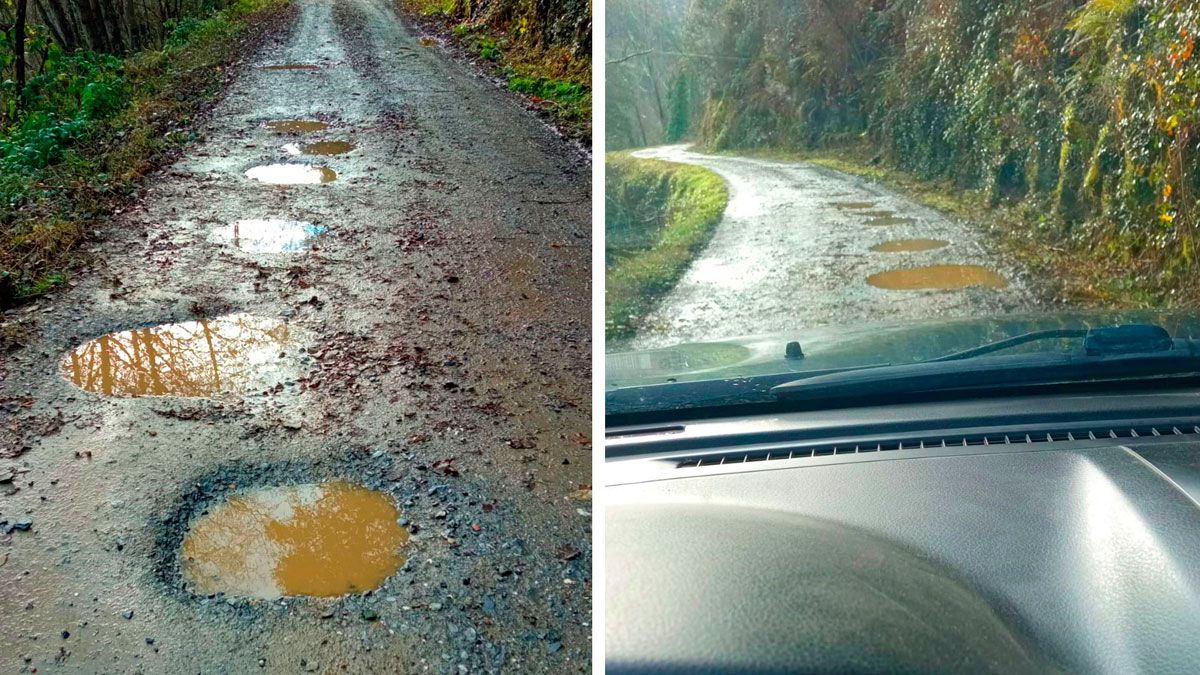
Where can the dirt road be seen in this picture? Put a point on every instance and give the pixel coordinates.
(795, 250)
(421, 329)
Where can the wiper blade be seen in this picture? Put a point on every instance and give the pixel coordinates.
(1109, 354)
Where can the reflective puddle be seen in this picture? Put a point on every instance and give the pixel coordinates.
(193, 359)
(296, 126)
(883, 220)
(293, 66)
(267, 236)
(910, 245)
(319, 148)
(852, 206)
(937, 277)
(292, 174)
(321, 540)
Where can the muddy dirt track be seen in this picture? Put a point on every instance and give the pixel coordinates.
(424, 332)
(801, 246)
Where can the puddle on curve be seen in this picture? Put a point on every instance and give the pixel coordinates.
(320, 540)
(192, 359)
(325, 148)
(937, 277)
(291, 174)
(910, 245)
(267, 236)
(293, 66)
(296, 126)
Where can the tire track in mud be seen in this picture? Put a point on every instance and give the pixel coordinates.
(440, 324)
(795, 251)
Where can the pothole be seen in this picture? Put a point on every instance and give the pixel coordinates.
(852, 206)
(937, 277)
(325, 148)
(296, 126)
(293, 66)
(910, 245)
(889, 220)
(292, 174)
(190, 359)
(267, 236)
(326, 540)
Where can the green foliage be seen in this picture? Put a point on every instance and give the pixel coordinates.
(658, 218)
(541, 48)
(679, 123)
(88, 127)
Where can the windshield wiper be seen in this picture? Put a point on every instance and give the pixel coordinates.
(1117, 353)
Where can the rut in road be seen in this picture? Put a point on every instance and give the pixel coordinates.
(795, 250)
(414, 321)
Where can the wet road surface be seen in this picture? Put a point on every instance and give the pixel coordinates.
(436, 351)
(795, 251)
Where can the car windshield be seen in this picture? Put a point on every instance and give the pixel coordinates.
(802, 187)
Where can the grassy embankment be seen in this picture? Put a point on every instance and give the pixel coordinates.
(659, 216)
(92, 126)
(548, 63)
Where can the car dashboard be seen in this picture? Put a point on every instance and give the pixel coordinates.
(1038, 534)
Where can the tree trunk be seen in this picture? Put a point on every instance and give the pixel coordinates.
(60, 24)
(19, 51)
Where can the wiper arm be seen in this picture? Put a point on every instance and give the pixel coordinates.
(1109, 354)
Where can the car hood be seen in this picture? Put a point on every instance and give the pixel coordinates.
(835, 347)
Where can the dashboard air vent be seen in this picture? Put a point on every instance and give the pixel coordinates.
(803, 451)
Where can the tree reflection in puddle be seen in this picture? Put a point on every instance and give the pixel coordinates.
(192, 359)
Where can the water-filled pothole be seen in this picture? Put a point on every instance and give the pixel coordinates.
(293, 66)
(889, 220)
(910, 245)
(937, 277)
(296, 126)
(292, 174)
(325, 148)
(267, 236)
(190, 359)
(852, 206)
(323, 540)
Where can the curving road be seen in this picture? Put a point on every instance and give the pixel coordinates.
(794, 251)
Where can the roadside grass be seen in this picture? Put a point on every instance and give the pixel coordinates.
(1083, 267)
(87, 163)
(554, 78)
(659, 217)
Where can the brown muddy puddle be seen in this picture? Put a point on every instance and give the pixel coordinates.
(852, 206)
(293, 66)
(292, 174)
(324, 148)
(323, 540)
(296, 126)
(190, 359)
(267, 236)
(910, 245)
(428, 42)
(937, 277)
